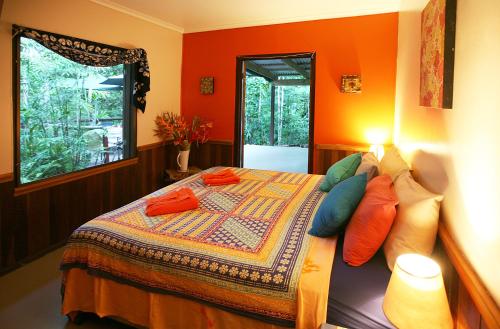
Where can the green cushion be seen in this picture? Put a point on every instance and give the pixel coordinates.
(340, 170)
(338, 206)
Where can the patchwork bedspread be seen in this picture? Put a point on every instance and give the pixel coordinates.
(242, 250)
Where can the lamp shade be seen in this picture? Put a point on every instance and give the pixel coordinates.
(415, 296)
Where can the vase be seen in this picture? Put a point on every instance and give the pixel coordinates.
(182, 160)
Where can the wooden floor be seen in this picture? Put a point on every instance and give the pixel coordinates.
(30, 298)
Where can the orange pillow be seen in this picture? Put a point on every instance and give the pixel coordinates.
(371, 222)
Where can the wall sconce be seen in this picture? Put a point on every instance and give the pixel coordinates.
(351, 84)
(206, 85)
(377, 150)
(415, 296)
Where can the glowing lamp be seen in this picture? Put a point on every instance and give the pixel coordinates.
(378, 150)
(376, 136)
(415, 296)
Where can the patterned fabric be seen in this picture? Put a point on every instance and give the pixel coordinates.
(432, 54)
(241, 250)
(95, 54)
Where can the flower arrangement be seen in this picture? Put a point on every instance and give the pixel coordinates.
(174, 128)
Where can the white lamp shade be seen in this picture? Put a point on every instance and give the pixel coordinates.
(415, 296)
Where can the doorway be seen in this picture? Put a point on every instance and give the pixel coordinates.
(275, 112)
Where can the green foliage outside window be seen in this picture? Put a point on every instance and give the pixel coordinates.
(291, 117)
(63, 118)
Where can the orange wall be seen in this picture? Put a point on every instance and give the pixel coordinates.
(366, 45)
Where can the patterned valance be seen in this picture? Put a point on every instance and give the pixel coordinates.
(95, 54)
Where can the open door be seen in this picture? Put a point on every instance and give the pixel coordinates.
(240, 112)
(275, 112)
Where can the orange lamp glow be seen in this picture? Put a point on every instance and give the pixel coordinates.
(415, 297)
(376, 136)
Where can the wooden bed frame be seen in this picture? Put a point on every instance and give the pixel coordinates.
(471, 304)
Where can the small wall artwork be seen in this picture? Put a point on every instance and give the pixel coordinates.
(207, 85)
(437, 54)
(351, 84)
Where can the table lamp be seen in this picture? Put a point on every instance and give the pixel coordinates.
(415, 296)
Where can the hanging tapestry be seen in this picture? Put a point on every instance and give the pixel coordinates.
(437, 54)
(95, 54)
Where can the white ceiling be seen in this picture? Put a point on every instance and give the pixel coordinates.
(204, 15)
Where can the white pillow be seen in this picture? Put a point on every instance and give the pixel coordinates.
(392, 164)
(416, 223)
(369, 165)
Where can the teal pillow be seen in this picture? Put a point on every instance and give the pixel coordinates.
(340, 170)
(338, 206)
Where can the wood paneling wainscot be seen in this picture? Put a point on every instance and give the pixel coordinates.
(211, 154)
(471, 303)
(35, 221)
(328, 154)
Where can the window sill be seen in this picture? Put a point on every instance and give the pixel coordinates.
(58, 180)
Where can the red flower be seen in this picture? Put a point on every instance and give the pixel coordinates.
(174, 128)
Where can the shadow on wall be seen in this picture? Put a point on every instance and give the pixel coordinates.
(437, 174)
(432, 173)
(337, 68)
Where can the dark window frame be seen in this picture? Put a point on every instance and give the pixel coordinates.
(129, 128)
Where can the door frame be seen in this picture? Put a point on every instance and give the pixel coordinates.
(240, 92)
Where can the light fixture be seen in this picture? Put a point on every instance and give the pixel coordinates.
(377, 150)
(415, 296)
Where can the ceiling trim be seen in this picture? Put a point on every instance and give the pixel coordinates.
(138, 14)
(284, 20)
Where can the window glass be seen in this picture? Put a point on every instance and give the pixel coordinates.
(71, 115)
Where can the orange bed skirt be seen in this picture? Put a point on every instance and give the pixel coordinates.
(87, 293)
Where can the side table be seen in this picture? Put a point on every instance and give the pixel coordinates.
(173, 176)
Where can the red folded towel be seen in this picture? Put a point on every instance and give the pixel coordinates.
(221, 181)
(175, 201)
(222, 177)
(219, 174)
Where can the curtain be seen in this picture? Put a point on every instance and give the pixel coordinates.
(95, 54)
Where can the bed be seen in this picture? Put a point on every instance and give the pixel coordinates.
(356, 293)
(243, 259)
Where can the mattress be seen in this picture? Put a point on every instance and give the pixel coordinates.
(244, 250)
(356, 293)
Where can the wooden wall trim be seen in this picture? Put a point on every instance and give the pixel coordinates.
(340, 147)
(146, 147)
(480, 295)
(28, 188)
(6, 177)
(220, 141)
(1, 7)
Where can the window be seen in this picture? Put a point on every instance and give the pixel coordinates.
(69, 116)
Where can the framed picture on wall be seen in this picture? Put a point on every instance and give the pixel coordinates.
(351, 84)
(206, 85)
(437, 53)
